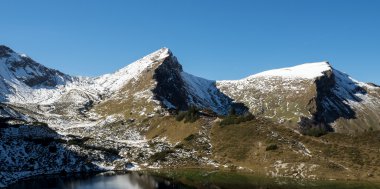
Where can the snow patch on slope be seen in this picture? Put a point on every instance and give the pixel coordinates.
(203, 93)
(353, 91)
(307, 71)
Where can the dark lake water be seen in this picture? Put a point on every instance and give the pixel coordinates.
(176, 180)
(99, 181)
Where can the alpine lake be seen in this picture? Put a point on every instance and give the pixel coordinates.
(180, 179)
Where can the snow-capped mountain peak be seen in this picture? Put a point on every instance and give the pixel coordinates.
(20, 76)
(22, 80)
(117, 79)
(313, 90)
(305, 71)
(20, 68)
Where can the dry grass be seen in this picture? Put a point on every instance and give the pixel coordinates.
(173, 130)
(126, 102)
(337, 155)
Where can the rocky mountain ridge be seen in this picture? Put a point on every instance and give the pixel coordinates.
(127, 120)
(313, 91)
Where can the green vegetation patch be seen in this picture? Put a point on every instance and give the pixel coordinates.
(190, 137)
(235, 119)
(310, 127)
(104, 149)
(199, 178)
(78, 141)
(271, 147)
(314, 131)
(190, 115)
(161, 156)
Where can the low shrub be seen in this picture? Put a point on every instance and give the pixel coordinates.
(236, 119)
(81, 142)
(179, 146)
(315, 131)
(190, 137)
(78, 141)
(271, 147)
(101, 148)
(190, 115)
(310, 127)
(161, 156)
(180, 116)
(41, 124)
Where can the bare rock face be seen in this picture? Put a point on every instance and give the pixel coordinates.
(176, 89)
(38, 75)
(342, 102)
(5, 51)
(170, 88)
(331, 105)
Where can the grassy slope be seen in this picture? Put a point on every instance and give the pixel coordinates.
(332, 156)
(132, 99)
(173, 130)
(201, 178)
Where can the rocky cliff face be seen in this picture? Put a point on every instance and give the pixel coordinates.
(170, 88)
(179, 90)
(337, 102)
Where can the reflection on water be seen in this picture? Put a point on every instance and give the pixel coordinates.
(165, 179)
(122, 181)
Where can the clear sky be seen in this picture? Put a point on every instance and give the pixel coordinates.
(212, 39)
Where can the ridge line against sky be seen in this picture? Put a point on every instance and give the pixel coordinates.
(216, 40)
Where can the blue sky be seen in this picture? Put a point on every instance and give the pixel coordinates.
(212, 39)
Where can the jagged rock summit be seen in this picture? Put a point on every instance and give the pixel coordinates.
(307, 94)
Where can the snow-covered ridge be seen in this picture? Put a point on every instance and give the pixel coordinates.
(14, 89)
(268, 80)
(201, 92)
(22, 79)
(305, 71)
(114, 81)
